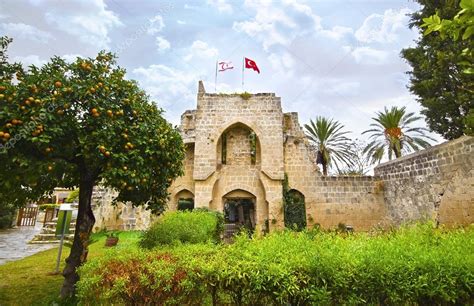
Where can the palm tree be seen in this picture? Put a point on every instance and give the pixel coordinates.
(392, 134)
(332, 146)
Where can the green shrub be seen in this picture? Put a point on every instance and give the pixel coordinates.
(73, 196)
(198, 226)
(412, 265)
(43, 207)
(7, 216)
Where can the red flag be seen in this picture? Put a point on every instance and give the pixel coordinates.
(250, 64)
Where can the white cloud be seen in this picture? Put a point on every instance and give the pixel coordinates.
(89, 20)
(201, 49)
(222, 5)
(172, 89)
(337, 32)
(384, 28)
(25, 31)
(271, 25)
(180, 22)
(156, 25)
(367, 55)
(282, 63)
(339, 87)
(162, 44)
(29, 60)
(71, 57)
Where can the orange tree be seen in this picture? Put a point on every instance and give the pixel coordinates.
(80, 124)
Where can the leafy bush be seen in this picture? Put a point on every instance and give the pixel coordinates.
(73, 196)
(7, 215)
(413, 265)
(198, 226)
(43, 207)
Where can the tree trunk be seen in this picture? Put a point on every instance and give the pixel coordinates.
(398, 153)
(84, 224)
(325, 169)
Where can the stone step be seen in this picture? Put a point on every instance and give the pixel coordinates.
(49, 237)
(48, 230)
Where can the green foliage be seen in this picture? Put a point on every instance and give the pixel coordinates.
(293, 207)
(198, 226)
(7, 215)
(413, 265)
(360, 164)
(67, 123)
(75, 124)
(441, 63)
(332, 145)
(73, 196)
(245, 95)
(394, 134)
(48, 205)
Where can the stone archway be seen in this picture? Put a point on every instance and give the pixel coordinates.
(238, 144)
(239, 211)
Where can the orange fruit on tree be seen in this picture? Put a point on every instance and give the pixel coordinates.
(6, 135)
(58, 84)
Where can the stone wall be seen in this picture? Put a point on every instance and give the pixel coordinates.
(120, 217)
(354, 201)
(436, 183)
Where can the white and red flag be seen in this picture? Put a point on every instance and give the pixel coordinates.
(251, 64)
(225, 65)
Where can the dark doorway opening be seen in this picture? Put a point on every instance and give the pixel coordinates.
(239, 214)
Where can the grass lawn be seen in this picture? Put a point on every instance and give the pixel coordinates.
(26, 281)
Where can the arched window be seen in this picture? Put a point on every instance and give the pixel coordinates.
(238, 145)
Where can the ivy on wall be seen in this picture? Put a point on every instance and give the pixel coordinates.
(294, 207)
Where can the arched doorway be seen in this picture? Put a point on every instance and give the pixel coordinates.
(295, 210)
(239, 211)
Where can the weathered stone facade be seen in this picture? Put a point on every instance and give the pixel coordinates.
(239, 148)
(437, 183)
(280, 147)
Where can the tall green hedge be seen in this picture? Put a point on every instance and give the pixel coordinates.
(198, 226)
(413, 265)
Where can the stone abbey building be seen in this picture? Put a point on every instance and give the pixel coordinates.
(239, 148)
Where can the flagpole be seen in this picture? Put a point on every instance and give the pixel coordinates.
(243, 64)
(215, 80)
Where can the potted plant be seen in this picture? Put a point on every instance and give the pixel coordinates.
(112, 238)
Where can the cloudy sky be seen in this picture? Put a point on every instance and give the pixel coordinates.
(336, 58)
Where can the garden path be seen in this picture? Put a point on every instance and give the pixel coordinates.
(14, 243)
